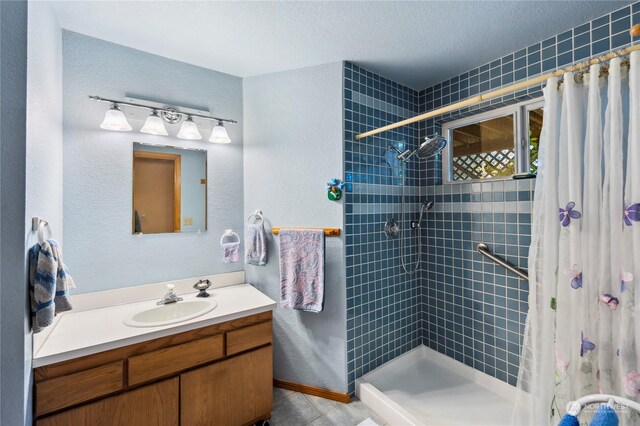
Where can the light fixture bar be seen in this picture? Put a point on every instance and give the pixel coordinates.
(159, 109)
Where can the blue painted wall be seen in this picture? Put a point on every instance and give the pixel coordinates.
(15, 343)
(98, 166)
(293, 146)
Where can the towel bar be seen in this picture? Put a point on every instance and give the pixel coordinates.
(330, 232)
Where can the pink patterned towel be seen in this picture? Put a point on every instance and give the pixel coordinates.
(302, 269)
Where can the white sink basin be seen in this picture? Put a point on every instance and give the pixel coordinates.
(170, 313)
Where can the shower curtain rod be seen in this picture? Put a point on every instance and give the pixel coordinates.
(513, 88)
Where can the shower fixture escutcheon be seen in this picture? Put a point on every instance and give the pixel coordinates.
(392, 229)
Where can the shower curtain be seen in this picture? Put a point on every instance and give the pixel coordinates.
(582, 336)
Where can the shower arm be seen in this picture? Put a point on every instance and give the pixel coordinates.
(483, 249)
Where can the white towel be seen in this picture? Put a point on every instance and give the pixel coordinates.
(256, 245)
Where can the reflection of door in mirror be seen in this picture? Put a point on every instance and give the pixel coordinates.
(156, 192)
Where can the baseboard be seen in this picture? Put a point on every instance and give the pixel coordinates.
(312, 390)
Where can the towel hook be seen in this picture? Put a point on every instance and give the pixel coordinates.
(37, 225)
(229, 233)
(257, 215)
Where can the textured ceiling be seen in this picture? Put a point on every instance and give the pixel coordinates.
(415, 43)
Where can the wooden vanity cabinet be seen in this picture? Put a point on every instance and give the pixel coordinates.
(235, 391)
(220, 375)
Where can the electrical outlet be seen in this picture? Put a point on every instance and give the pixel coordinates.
(188, 221)
(143, 217)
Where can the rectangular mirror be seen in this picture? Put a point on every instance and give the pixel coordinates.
(169, 189)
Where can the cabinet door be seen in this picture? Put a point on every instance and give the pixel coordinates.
(155, 404)
(229, 393)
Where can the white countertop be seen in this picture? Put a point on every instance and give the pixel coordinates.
(77, 334)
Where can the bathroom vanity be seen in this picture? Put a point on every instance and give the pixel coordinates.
(211, 370)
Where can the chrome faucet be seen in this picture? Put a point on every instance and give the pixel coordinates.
(170, 297)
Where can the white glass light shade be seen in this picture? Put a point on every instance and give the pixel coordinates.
(154, 125)
(114, 119)
(219, 134)
(189, 130)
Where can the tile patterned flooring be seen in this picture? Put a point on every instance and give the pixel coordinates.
(297, 409)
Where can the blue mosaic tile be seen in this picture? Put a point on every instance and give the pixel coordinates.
(458, 302)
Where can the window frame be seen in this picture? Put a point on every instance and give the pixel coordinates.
(520, 114)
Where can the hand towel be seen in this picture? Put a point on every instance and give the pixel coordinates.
(49, 282)
(256, 245)
(231, 252)
(605, 416)
(569, 420)
(302, 269)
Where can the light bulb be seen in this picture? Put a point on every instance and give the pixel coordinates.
(114, 119)
(219, 134)
(154, 125)
(189, 130)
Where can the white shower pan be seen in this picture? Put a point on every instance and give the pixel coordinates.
(425, 387)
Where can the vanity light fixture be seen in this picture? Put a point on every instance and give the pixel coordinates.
(154, 125)
(114, 119)
(219, 134)
(189, 130)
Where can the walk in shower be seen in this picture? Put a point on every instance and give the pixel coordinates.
(446, 338)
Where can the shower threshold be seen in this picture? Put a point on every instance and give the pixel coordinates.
(425, 387)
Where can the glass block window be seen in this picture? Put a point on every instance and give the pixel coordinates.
(494, 144)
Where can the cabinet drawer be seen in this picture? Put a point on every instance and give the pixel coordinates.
(248, 337)
(71, 389)
(173, 359)
(156, 404)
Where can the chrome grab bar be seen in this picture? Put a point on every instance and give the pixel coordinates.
(483, 249)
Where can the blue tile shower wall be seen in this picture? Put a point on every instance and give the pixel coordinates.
(383, 302)
(472, 310)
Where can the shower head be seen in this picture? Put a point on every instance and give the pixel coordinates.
(427, 205)
(431, 146)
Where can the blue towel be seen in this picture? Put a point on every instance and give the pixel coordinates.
(605, 416)
(569, 420)
(302, 269)
(49, 283)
